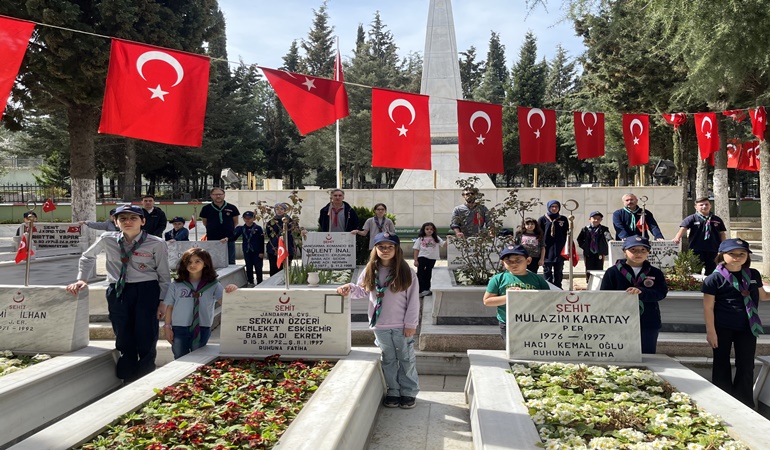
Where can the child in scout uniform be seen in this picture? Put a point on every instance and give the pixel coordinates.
(731, 297)
(253, 246)
(516, 277)
(138, 276)
(179, 233)
(637, 276)
(706, 232)
(593, 239)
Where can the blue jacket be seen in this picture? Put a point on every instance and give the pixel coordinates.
(253, 238)
(613, 280)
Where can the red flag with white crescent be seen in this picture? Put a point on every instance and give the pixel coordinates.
(589, 134)
(749, 157)
(14, 38)
(575, 258)
(22, 253)
(738, 115)
(734, 149)
(480, 142)
(537, 135)
(675, 119)
(707, 133)
(758, 122)
(281, 252)
(400, 130)
(191, 225)
(49, 206)
(636, 134)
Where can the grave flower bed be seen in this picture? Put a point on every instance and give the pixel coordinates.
(228, 404)
(576, 406)
(9, 362)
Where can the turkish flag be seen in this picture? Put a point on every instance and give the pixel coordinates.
(537, 135)
(749, 157)
(400, 130)
(589, 134)
(480, 142)
(14, 38)
(707, 132)
(74, 229)
(48, 206)
(734, 150)
(738, 115)
(675, 119)
(636, 134)
(191, 225)
(21, 253)
(564, 253)
(641, 225)
(155, 94)
(312, 102)
(281, 252)
(758, 122)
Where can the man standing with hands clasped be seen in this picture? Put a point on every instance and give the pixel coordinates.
(220, 219)
(138, 273)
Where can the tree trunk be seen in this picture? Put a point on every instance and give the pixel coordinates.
(764, 200)
(702, 179)
(680, 161)
(722, 189)
(82, 125)
(127, 178)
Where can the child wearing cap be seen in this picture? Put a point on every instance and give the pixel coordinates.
(253, 246)
(637, 276)
(138, 276)
(731, 297)
(593, 239)
(394, 311)
(555, 229)
(179, 233)
(29, 217)
(516, 277)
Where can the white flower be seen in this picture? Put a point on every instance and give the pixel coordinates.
(41, 357)
(631, 434)
(680, 397)
(525, 381)
(602, 443)
(694, 446)
(621, 397)
(7, 353)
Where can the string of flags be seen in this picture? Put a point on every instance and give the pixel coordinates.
(159, 95)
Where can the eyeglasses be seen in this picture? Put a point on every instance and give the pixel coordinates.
(385, 247)
(379, 209)
(636, 250)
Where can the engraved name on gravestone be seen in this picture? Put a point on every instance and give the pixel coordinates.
(298, 322)
(329, 250)
(54, 239)
(42, 319)
(217, 250)
(573, 326)
(662, 253)
(453, 254)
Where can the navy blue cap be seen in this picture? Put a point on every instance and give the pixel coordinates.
(176, 219)
(387, 237)
(29, 213)
(112, 212)
(636, 241)
(130, 209)
(597, 213)
(732, 244)
(248, 214)
(514, 250)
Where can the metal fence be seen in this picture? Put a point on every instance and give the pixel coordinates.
(24, 193)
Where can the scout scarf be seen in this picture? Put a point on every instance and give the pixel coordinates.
(594, 245)
(248, 233)
(742, 286)
(195, 293)
(380, 288)
(636, 281)
(125, 257)
(632, 224)
(378, 224)
(219, 210)
(707, 220)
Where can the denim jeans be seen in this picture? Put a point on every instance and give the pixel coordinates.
(398, 362)
(183, 340)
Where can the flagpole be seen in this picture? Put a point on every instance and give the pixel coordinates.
(195, 213)
(337, 69)
(286, 243)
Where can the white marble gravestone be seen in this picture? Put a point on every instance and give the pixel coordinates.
(218, 251)
(56, 239)
(662, 253)
(329, 250)
(293, 323)
(589, 326)
(42, 319)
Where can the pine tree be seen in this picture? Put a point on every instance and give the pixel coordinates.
(319, 46)
(491, 88)
(471, 72)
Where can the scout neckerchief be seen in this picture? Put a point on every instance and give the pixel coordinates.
(707, 220)
(742, 286)
(551, 227)
(195, 293)
(594, 246)
(248, 233)
(125, 257)
(380, 293)
(636, 281)
(336, 213)
(632, 223)
(219, 210)
(378, 224)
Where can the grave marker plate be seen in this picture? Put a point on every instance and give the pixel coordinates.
(662, 253)
(329, 250)
(56, 239)
(218, 251)
(589, 326)
(296, 323)
(42, 319)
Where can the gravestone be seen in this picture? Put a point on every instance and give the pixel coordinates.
(293, 323)
(42, 319)
(217, 250)
(329, 250)
(56, 239)
(586, 326)
(662, 253)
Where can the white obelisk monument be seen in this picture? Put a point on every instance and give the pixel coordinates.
(441, 81)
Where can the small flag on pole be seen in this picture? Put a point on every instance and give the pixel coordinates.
(49, 206)
(281, 253)
(191, 225)
(22, 253)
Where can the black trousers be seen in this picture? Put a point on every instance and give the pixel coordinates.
(742, 386)
(135, 323)
(593, 261)
(554, 272)
(707, 258)
(425, 272)
(253, 262)
(534, 265)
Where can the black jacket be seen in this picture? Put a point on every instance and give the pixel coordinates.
(155, 222)
(351, 218)
(602, 237)
(613, 280)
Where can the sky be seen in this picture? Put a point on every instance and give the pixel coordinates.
(260, 32)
